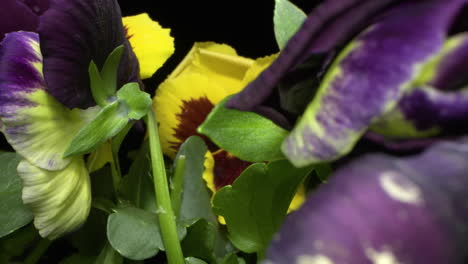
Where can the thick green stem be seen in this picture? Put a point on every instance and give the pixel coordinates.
(167, 220)
(178, 183)
(38, 251)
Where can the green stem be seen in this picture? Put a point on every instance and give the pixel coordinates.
(178, 181)
(115, 170)
(163, 200)
(38, 251)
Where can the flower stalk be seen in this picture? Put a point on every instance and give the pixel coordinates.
(167, 220)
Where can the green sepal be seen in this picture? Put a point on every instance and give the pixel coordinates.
(108, 122)
(246, 135)
(137, 102)
(261, 194)
(104, 83)
(287, 19)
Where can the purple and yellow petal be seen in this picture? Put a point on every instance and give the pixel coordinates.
(37, 126)
(368, 79)
(60, 200)
(439, 101)
(152, 44)
(328, 26)
(381, 209)
(74, 32)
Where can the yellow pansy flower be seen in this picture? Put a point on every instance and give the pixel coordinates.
(208, 74)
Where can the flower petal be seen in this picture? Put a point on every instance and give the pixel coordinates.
(34, 123)
(439, 104)
(60, 200)
(208, 74)
(15, 16)
(328, 26)
(368, 78)
(74, 32)
(152, 44)
(380, 209)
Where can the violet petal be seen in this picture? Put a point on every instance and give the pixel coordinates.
(369, 78)
(74, 32)
(383, 209)
(327, 26)
(14, 16)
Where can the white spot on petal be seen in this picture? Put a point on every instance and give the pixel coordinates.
(384, 257)
(399, 188)
(317, 259)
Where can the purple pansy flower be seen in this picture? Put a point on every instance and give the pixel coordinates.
(382, 209)
(400, 77)
(46, 100)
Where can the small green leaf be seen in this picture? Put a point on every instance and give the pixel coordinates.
(104, 83)
(96, 84)
(109, 256)
(287, 19)
(108, 122)
(246, 135)
(192, 260)
(138, 102)
(135, 233)
(255, 205)
(110, 70)
(195, 196)
(14, 214)
(137, 187)
(200, 241)
(16, 243)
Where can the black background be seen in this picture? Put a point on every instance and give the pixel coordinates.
(247, 26)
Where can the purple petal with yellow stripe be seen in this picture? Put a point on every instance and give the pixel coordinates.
(439, 105)
(37, 126)
(368, 79)
(74, 32)
(381, 209)
(329, 25)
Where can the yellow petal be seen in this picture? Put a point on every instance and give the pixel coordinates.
(209, 72)
(152, 44)
(60, 200)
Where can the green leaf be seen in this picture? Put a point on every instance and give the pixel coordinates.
(192, 260)
(195, 195)
(287, 19)
(255, 205)
(137, 102)
(246, 135)
(323, 170)
(108, 122)
(16, 243)
(14, 214)
(109, 256)
(232, 259)
(137, 187)
(200, 241)
(135, 233)
(104, 83)
(110, 70)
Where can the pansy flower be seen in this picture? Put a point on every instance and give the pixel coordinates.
(208, 74)
(398, 72)
(46, 100)
(383, 209)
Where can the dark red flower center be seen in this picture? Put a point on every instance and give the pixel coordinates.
(193, 112)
